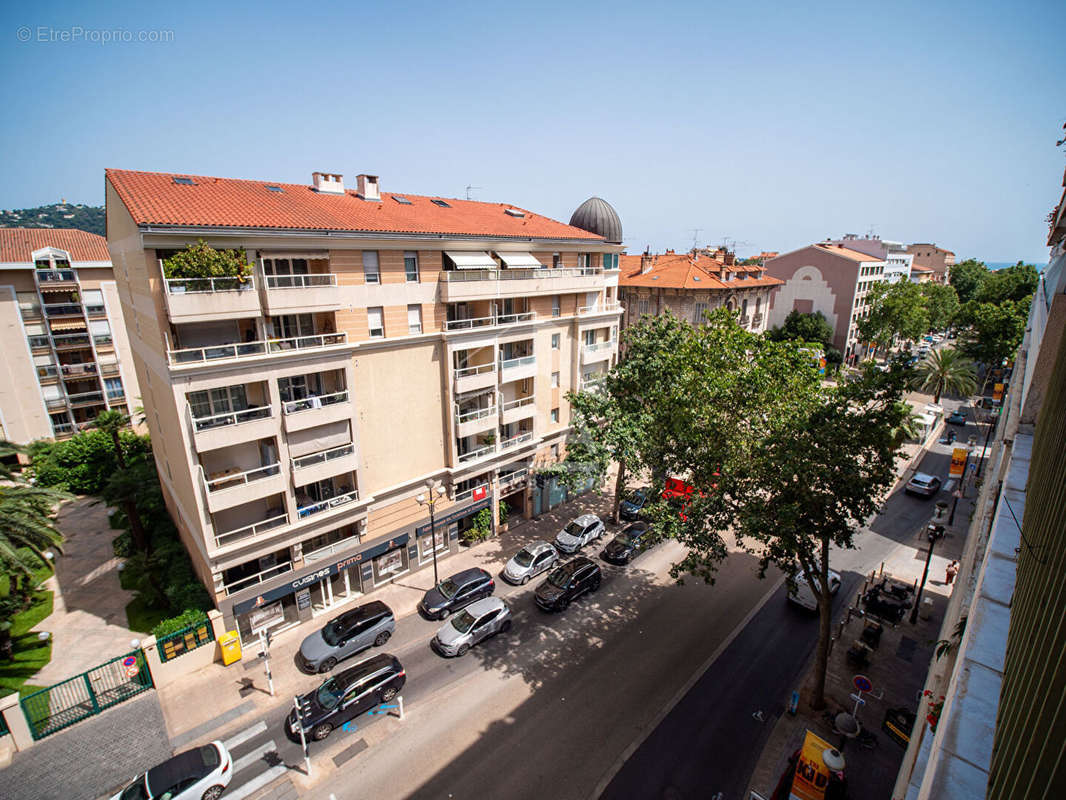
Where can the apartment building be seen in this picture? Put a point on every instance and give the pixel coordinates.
(383, 340)
(830, 278)
(898, 261)
(932, 259)
(690, 284)
(65, 356)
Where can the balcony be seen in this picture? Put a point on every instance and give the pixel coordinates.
(221, 430)
(328, 505)
(598, 351)
(70, 341)
(319, 466)
(86, 399)
(96, 310)
(515, 410)
(470, 422)
(103, 340)
(55, 403)
(52, 310)
(308, 412)
(600, 308)
(253, 580)
(513, 481)
(56, 277)
(477, 323)
(474, 284)
(62, 429)
(467, 494)
(517, 369)
(476, 455)
(40, 342)
(210, 299)
(238, 351)
(233, 487)
(291, 294)
(47, 372)
(110, 368)
(78, 371)
(470, 379)
(525, 437)
(246, 533)
(30, 312)
(593, 382)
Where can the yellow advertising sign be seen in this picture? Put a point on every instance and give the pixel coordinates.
(812, 775)
(997, 392)
(958, 462)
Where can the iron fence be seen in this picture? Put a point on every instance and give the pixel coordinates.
(181, 642)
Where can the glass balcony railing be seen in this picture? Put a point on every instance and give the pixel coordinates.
(327, 504)
(86, 398)
(300, 281)
(78, 370)
(323, 456)
(251, 580)
(62, 309)
(465, 275)
(514, 441)
(476, 414)
(229, 479)
(55, 276)
(71, 340)
(207, 285)
(239, 350)
(315, 401)
(487, 322)
(231, 418)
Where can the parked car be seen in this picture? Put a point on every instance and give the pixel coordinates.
(202, 773)
(578, 533)
(346, 695)
(631, 542)
(475, 623)
(456, 592)
(801, 593)
(568, 582)
(957, 417)
(632, 504)
(344, 636)
(923, 484)
(529, 562)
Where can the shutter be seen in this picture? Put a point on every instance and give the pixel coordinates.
(321, 437)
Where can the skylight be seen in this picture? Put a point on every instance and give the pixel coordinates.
(695, 277)
(403, 201)
(440, 203)
(514, 212)
(273, 188)
(184, 181)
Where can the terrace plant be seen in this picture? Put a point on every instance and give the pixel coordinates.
(201, 260)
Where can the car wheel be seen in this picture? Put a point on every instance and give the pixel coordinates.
(327, 665)
(462, 651)
(594, 586)
(525, 580)
(388, 694)
(443, 614)
(320, 732)
(214, 792)
(506, 626)
(382, 638)
(563, 605)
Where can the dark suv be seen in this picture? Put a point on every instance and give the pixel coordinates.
(346, 695)
(344, 636)
(567, 583)
(458, 591)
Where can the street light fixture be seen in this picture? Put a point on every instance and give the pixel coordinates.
(435, 494)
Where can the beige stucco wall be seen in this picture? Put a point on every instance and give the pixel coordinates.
(22, 409)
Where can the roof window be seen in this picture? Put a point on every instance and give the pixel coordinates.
(440, 203)
(514, 212)
(184, 181)
(273, 188)
(403, 201)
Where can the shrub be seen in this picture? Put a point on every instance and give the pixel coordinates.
(201, 260)
(83, 463)
(186, 619)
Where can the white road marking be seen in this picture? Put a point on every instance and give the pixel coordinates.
(257, 783)
(250, 758)
(245, 735)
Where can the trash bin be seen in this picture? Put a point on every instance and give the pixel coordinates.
(231, 647)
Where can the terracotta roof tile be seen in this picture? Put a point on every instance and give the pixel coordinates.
(16, 244)
(845, 252)
(684, 271)
(153, 198)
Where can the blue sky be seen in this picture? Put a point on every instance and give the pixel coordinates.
(773, 126)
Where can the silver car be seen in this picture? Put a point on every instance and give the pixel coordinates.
(529, 562)
(578, 533)
(474, 623)
(343, 636)
(923, 484)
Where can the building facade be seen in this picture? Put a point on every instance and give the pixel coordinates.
(898, 262)
(830, 278)
(65, 357)
(690, 284)
(382, 341)
(936, 260)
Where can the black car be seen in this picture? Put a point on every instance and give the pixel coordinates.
(567, 583)
(631, 542)
(456, 592)
(632, 504)
(347, 695)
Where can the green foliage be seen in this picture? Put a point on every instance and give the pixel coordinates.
(30, 654)
(810, 328)
(27, 527)
(946, 370)
(990, 333)
(200, 260)
(1015, 283)
(57, 215)
(8, 451)
(142, 617)
(941, 304)
(967, 277)
(896, 309)
(481, 529)
(185, 619)
(83, 463)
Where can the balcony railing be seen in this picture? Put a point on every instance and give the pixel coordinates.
(474, 455)
(315, 401)
(62, 429)
(463, 275)
(95, 310)
(55, 276)
(78, 370)
(55, 402)
(325, 505)
(478, 369)
(300, 281)
(511, 478)
(323, 456)
(330, 549)
(71, 340)
(47, 371)
(62, 309)
(477, 413)
(487, 322)
(205, 285)
(592, 384)
(85, 397)
(259, 577)
(596, 347)
(600, 308)
(522, 401)
(114, 395)
(241, 478)
(110, 368)
(514, 441)
(194, 355)
(102, 339)
(521, 361)
(466, 494)
(231, 418)
(40, 341)
(30, 312)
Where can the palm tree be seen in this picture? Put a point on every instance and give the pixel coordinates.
(26, 521)
(909, 427)
(946, 370)
(112, 422)
(8, 449)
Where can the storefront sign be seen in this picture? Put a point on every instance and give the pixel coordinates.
(266, 617)
(958, 462)
(303, 600)
(454, 516)
(812, 775)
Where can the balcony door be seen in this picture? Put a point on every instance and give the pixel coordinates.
(293, 326)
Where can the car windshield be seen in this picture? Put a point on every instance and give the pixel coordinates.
(625, 538)
(636, 498)
(574, 528)
(448, 588)
(332, 633)
(559, 577)
(523, 558)
(135, 791)
(329, 694)
(463, 621)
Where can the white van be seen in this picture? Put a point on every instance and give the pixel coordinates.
(802, 595)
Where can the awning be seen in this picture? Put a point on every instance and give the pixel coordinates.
(472, 260)
(56, 290)
(515, 260)
(67, 325)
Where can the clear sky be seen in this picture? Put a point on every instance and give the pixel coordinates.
(771, 125)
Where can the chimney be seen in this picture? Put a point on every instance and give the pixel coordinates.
(730, 258)
(645, 262)
(367, 187)
(328, 182)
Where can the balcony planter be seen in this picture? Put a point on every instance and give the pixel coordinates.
(200, 260)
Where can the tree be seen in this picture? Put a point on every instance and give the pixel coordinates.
(990, 333)
(26, 521)
(967, 277)
(119, 488)
(941, 304)
(201, 260)
(7, 450)
(811, 328)
(1013, 283)
(896, 309)
(946, 370)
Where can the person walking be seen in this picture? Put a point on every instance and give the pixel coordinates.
(952, 571)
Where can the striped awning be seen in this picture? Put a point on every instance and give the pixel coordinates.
(56, 289)
(68, 325)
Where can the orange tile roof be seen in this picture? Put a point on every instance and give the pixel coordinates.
(16, 244)
(920, 268)
(845, 252)
(154, 199)
(685, 271)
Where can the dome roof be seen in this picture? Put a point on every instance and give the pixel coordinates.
(595, 215)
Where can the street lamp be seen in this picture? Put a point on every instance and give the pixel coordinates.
(435, 493)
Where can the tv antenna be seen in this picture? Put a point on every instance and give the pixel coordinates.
(471, 188)
(695, 236)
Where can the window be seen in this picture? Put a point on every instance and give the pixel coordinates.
(410, 266)
(555, 452)
(414, 318)
(375, 322)
(582, 260)
(371, 274)
(555, 380)
(273, 188)
(184, 182)
(643, 307)
(403, 201)
(557, 260)
(610, 260)
(590, 337)
(114, 388)
(697, 315)
(555, 415)
(218, 401)
(744, 308)
(440, 203)
(556, 306)
(555, 341)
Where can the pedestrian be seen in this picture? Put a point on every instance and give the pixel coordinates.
(952, 571)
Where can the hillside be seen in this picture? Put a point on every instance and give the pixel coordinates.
(57, 215)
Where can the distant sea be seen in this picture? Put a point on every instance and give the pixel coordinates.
(1002, 264)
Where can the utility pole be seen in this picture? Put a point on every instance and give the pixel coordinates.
(695, 236)
(470, 188)
(933, 536)
(264, 642)
(303, 738)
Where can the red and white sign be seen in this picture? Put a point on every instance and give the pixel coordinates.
(131, 672)
(480, 493)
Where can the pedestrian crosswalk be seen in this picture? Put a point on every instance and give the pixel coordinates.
(256, 760)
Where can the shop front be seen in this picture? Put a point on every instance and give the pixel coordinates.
(446, 530)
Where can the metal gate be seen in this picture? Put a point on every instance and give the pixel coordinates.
(60, 706)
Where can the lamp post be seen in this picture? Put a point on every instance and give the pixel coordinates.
(431, 497)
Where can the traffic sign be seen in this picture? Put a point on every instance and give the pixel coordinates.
(131, 672)
(129, 661)
(862, 683)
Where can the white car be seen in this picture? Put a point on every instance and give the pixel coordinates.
(529, 562)
(202, 773)
(476, 622)
(578, 533)
(802, 595)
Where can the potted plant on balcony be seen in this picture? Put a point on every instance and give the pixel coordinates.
(201, 261)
